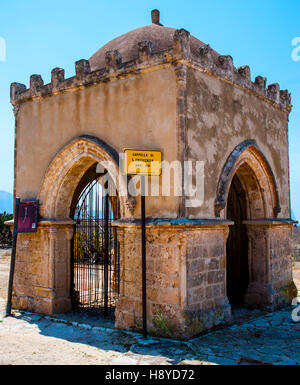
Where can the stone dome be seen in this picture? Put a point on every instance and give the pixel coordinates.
(127, 44)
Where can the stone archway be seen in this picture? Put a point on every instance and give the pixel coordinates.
(247, 194)
(264, 202)
(67, 169)
(56, 195)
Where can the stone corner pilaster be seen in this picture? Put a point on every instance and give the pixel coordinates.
(270, 247)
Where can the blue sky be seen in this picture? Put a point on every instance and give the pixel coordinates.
(42, 35)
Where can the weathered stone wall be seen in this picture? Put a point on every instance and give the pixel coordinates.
(296, 243)
(220, 116)
(270, 265)
(31, 269)
(207, 303)
(164, 298)
(193, 106)
(181, 100)
(137, 111)
(281, 256)
(185, 279)
(42, 270)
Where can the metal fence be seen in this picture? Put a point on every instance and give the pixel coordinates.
(96, 259)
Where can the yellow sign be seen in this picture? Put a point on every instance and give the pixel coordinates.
(142, 162)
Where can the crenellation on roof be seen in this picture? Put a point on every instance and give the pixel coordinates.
(57, 78)
(113, 59)
(183, 49)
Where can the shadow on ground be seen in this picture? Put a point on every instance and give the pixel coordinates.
(117, 341)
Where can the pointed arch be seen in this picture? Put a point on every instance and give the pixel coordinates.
(257, 178)
(67, 169)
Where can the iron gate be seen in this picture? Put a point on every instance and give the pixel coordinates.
(96, 265)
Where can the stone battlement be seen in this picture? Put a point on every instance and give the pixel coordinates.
(207, 60)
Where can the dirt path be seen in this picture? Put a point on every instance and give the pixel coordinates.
(34, 339)
(4, 271)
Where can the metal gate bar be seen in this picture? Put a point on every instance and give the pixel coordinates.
(96, 262)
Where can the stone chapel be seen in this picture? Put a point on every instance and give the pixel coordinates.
(154, 88)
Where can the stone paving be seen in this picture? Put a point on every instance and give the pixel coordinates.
(273, 338)
(32, 339)
(256, 338)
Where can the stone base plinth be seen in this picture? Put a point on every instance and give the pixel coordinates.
(270, 269)
(42, 268)
(186, 268)
(48, 306)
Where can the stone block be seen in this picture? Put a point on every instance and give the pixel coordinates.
(214, 264)
(167, 266)
(145, 49)
(82, 68)
(195, 266)
(260, 84)
(15, 90)
(206, 55)
(169, 296)
(273, 92)
(196, 295)
(285, 98)
(36, 83)
(57, 77)
(42, 292)
(196, 280)
(112, 60)
(245, 75)
(225, 66)
(182, 42)
(216, 277)
(194, 251)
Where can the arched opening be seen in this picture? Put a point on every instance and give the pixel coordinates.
(70, 185)
(247, 196)
(95, 259)
(264, 202)
(244, 201)
(237, 245)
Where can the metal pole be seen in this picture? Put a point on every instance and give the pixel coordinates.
(13, 259)
(106, 251)
(144, 277)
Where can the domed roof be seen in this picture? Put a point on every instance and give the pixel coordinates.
(127, 44)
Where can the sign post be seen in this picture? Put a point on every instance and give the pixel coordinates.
(143, 163)
(25, 221)
(12, 260)
(144, 271)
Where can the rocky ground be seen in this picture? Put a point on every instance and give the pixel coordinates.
(256, 338)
